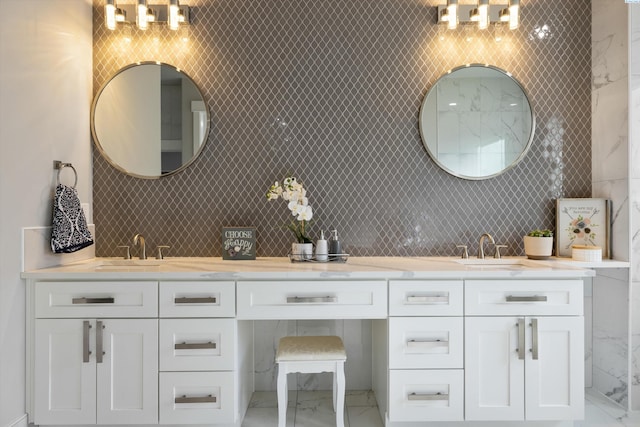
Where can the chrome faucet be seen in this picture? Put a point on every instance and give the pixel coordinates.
(139, 239)
(481, 244)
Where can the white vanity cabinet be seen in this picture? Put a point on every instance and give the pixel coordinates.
(175, 346)
(425, 344)
(91, 365)
(526, 363)
(198, 353)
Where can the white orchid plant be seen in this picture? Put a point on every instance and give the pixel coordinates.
(293, 192)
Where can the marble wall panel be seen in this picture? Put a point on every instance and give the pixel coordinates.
(611, 335)
(610, 133)
(617, 190)
(609, 41)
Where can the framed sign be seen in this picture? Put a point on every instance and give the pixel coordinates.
(238, 243)
(583, 222)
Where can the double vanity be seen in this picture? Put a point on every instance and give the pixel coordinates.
(172, 341)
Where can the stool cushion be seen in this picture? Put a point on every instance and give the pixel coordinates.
(310, 348)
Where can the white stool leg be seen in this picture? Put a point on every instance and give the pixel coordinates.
(335, 386)
(340, 390)
(282, 396)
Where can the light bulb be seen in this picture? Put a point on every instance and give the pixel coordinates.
(514, 6)
(174, 15)
(110, 14)
(141, 15)
(452, 8)
(483, 14)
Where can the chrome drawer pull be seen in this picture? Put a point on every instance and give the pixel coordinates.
(85, 341)
(428, 396)
(428, 343)
(436, 299)
(195, 300)
(85, 300)
(532, 298)
(521, 344)
(194, 346)
(99, 341)
(534, 339)
(302, 300)
(201, 399)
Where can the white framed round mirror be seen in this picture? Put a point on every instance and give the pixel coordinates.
(476, 122)
(149, 120)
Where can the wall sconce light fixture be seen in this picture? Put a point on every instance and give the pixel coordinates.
(141, 13)
(113, 14)
(452, 13)
(482, 14)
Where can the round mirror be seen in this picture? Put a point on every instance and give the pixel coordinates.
(149, 120)
(476, 122)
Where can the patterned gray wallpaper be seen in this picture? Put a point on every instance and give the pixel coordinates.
(330, 91)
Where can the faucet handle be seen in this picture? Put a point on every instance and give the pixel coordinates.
(160, 255)
(498, 255)
(465, 251)
(127, 254)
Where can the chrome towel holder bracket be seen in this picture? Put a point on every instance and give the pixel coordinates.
(58, 165)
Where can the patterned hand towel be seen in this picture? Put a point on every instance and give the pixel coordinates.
(70, 232)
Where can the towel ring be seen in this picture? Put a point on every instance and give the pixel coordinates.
(57, 164)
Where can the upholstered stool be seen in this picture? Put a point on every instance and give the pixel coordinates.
(311, 354)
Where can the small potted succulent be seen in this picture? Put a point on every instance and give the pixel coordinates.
(538, 244)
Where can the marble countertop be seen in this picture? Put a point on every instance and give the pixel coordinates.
(283, 268)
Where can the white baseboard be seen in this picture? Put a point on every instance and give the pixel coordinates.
(20, 422)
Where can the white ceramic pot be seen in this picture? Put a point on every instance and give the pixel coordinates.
(538, 247)
(301, 251)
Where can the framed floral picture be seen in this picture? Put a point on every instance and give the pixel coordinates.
(583, 222)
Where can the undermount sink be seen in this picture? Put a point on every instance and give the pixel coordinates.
(497, 262)
(491, 261)
(126, 264)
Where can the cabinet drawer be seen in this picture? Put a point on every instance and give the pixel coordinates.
(426, 395)
(197, 398)
(425, 298)
(96, 299)
(312, 300)
(197, 299)
(197, 344)
(523, 297)
(426, 342)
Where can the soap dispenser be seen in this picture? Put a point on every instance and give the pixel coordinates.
(335, 247)
(322, 249)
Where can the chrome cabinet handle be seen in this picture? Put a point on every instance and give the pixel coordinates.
(521, 343)
(195, 300)
(199, 399)
(301, 300)
(534, 338)
(194, 346)
(99, 343)
(86, 326)
(85, 300)
(428, 396)
(532, 298)
(427, 343)
(435, 299)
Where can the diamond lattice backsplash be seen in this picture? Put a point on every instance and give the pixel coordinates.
(330, 91)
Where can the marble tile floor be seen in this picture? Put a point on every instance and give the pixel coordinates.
(314, 409)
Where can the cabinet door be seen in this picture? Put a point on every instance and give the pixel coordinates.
(494, 372)
(555, 375)
(128, 374)
(65, 372)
